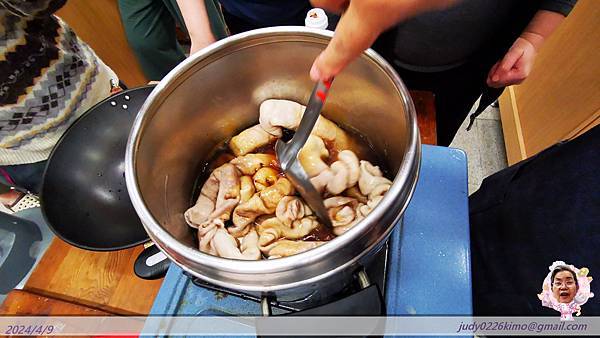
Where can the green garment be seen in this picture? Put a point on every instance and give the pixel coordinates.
(150, 26)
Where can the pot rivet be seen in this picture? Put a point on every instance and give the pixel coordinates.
(127, 97)
(113, 103)
(124, 106)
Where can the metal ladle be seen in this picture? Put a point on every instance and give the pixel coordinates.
(287, 153)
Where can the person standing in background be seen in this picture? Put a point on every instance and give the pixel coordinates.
(459, 50)
(150, 26)
(531, 213)
(49, 77)
(241, 16)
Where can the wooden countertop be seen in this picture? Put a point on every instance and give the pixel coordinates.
(24, 303)
(425, 107)
(103, 281)
(69, 281)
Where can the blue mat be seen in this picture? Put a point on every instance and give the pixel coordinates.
(430, 272)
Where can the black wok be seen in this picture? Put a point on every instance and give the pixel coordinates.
(84, 195)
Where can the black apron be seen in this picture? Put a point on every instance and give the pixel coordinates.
(523, 218)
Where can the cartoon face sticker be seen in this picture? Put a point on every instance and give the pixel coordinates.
(565, 289)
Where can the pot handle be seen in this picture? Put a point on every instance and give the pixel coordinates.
(151, 263)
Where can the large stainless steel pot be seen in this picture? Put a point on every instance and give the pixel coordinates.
(215, 94)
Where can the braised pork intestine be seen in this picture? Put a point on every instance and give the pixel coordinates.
(341, 175)
(245, 248)
(285, 248)
(249, 164)
(249, 140)
(272, 229)
(312, 156)
(248, 210)
(247, 188)
(264, 178)
(344, 213)
(371, 182)
(261, 203)
(276, 114)
(291, 208)
(215, 240)
(218, 196)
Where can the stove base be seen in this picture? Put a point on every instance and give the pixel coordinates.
(428, 269)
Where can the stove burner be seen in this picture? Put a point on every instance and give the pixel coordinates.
(362, 296)
(428, 248)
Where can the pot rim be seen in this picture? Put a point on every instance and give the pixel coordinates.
(404, 177)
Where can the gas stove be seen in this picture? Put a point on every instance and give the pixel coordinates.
(361, 296)
(424, 269)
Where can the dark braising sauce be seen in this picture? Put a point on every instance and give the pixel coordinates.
(222, 154)
(266, 149)
(333, 153)
(321, 233)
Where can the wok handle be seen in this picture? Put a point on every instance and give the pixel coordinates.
(151, 263)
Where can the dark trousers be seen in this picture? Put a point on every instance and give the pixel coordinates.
(239, 25)
(25, 177)
(529, 215)
(456, 90)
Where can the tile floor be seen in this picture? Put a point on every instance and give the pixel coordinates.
(484, 145)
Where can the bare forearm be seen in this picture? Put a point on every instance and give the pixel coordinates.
(366, 19)
(541, 27)
(360, 25)
(197, 22)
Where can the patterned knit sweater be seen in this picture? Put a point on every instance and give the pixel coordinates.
(48, 78)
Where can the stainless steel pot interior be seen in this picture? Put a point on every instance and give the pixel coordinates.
(215, 94)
